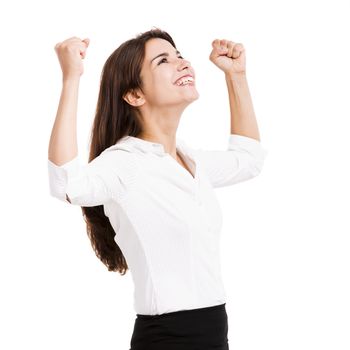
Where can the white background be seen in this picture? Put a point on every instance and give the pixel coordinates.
(285, 240)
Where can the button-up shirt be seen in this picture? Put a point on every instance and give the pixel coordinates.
(167, 222)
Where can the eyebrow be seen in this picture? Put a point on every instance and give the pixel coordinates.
(163, 54)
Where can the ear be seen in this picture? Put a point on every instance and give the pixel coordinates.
(134, 98)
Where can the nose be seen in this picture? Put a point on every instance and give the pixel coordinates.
(183, 64)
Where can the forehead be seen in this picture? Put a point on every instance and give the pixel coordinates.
(156, 46)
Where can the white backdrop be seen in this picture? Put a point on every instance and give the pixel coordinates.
(285, 239)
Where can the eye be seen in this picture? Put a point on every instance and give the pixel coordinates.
(161, 61)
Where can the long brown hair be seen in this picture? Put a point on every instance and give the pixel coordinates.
(114, 119)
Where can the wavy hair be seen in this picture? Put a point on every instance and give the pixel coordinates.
(114, 119)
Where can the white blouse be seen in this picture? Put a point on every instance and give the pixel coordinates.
(167, 222)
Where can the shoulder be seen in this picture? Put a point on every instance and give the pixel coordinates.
(117, 162)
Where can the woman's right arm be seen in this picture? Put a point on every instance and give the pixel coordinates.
(63, 149)
(69, 181)
(63, 141)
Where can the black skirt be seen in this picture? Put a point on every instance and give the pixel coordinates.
(197, 329)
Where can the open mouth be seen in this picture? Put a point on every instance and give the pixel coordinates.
(187, 80)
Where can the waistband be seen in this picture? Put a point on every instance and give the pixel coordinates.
(202, 310)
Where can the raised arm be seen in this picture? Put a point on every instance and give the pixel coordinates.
(68, 180)
(63, 141)
(245, 156)
(230, 57)
(98, 181)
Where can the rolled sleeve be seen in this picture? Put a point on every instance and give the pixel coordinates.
(85, 185)
(249, 148)
(243, 160)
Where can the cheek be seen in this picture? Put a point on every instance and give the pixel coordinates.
(159, 87)
(163, 87)
(164, 78)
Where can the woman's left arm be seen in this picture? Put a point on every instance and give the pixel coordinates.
(243, 120)
(245, 155)
(230, 58)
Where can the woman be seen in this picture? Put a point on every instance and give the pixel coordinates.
(146, 196)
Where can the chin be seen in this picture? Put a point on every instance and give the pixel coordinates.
(195, 94)
(192, 99)
(196, 97)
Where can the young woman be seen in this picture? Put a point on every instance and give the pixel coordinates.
(147, 197)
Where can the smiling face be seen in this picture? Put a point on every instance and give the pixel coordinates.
(163, 65)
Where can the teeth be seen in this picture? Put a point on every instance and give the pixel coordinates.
(184, 81)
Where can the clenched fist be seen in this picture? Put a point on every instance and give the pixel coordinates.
(228, 56)
(71, 53)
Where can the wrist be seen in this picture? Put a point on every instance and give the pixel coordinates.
(236, 76)
(70, 79)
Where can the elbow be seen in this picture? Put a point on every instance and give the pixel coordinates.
(58, 193)
(257, 161)
(256, 166)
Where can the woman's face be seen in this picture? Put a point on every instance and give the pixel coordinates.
(159, 73)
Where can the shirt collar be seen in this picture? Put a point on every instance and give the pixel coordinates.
(131, 144)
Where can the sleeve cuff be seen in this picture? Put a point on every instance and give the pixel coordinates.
(59, 175)
(70, 168)
(245, 143)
